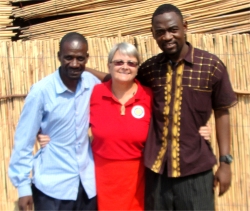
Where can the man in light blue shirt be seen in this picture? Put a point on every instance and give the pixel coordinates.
(63, 171)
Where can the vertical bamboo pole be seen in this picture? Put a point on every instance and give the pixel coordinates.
(56, 45)
(91, 60)
(236, 53)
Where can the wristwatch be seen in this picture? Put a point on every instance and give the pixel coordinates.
(226, 158)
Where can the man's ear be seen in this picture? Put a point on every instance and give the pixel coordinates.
(87, 58)
(152, 31)
(58, 55)
(185, 25)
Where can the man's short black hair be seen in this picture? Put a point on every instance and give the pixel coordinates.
(72, 36)
(165, 8)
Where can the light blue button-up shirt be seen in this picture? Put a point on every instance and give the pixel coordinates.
(67, 159)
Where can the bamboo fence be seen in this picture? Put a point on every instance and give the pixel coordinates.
(105, 18)
(24, 63)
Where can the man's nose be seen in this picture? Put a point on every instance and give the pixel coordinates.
(167, 36)
(74, 63)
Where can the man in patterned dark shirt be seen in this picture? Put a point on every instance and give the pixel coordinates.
(188, 83)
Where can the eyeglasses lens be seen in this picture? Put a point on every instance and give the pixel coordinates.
(121, 62)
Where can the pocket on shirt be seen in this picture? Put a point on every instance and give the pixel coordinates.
(202, 100)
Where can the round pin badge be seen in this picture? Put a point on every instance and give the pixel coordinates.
(138, 112)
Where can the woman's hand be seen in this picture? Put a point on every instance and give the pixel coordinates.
(43, 140)
(205, 132)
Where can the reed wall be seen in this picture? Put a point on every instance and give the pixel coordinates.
(24, 63)
(132, 17)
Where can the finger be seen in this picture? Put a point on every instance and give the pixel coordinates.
(44, 142)
(40, 136)
(222, 190)
(43, 139)
(43, 136)
(209, 127)
(22, 208)
(30, 207)
(215, 182)
(206, 137)
(204, 133)
(202, 129)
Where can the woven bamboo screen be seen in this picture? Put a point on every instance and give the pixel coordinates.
(24, 63)
(130, 17)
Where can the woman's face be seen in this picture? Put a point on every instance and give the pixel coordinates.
(123, 68)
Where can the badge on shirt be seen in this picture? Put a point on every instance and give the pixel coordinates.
(138, 112)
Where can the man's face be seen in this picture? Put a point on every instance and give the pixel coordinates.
(73, 57)
(169, 32)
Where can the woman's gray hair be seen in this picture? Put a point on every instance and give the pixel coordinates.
(124, 48)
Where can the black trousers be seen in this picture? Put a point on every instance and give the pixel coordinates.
(43, 202)
(193, 192)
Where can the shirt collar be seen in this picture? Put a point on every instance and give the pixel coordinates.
(107, 91)
(189, 57)
(60, 86)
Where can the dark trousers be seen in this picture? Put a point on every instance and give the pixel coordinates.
(193, 192)
(43, 202)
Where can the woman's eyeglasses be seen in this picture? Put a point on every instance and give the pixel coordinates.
(121, 63)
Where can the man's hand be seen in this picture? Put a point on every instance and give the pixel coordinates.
(223, 176)
(25, 203)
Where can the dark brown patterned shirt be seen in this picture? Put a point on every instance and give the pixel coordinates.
(184, 96)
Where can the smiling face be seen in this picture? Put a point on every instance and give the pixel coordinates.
(169, 32)
(125, 71)
(73, 57)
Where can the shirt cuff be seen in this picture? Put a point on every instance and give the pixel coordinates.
(24, 191)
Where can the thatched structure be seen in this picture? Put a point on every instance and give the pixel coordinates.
(107, 18)
(6, 22)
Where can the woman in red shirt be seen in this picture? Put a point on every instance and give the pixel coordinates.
(120, 112)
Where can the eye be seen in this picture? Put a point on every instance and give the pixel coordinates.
(132, 64)
(174, 30)
(118, 62)
(68, 58)
(160, 32)
(81, 59)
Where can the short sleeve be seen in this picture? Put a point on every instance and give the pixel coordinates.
(223, 95)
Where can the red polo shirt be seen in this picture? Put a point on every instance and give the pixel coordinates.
(116, 136)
